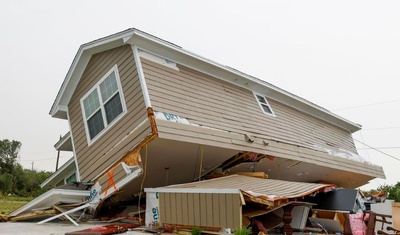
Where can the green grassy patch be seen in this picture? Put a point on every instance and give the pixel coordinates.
(9, 204)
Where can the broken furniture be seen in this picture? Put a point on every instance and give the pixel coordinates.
(331, 209)
(389, 228)
(344, 200)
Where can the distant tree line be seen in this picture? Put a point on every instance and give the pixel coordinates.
(393, 191)
(13, 178)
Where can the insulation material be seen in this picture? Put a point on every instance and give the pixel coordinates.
(343, 154)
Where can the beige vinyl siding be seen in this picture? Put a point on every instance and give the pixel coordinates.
(118, 173)
(95, 158)
(201, 209)
(211, 102)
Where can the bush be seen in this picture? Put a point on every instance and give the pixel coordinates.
(242, 231)
(196, 231)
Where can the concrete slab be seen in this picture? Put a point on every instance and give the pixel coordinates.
(30, 228)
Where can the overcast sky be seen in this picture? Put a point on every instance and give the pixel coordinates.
(341, 55)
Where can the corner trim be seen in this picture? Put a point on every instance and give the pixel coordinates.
(141, 76)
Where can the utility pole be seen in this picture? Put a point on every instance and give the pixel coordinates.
(58, 156)
(32, 165)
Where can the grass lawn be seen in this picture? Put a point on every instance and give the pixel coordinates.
(9, 204)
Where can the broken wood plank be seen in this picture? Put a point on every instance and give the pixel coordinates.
(3, 218)
(34, 215)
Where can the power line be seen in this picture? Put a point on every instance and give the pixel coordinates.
(366, 105)
(43, 159)
(381, 128)
(381, 148)
(395, 158)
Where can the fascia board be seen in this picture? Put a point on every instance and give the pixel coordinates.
(62, 141)
(78, 66)
(199, 63)
(192, 190)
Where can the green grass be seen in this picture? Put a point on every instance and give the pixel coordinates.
(9, 204)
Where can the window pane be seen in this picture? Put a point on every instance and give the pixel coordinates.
(108, 87)
(91, 103)
(113, 108)
(71, 179)
(266, 108)
(261, 99)
(95, 124)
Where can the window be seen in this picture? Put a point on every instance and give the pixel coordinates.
(265, 107)
(103, 105)
(71, 179)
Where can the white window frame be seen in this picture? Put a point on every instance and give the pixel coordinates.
(103, 113)
(266, 103)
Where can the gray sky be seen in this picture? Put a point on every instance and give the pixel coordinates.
(337, 54)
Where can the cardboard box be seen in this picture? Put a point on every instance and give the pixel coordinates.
(333, 221)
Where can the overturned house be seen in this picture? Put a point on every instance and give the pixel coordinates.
(137, 103)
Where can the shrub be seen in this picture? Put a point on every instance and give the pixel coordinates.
(196, 231)
(242, 231)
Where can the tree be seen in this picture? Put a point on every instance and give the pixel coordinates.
(13, 177)
(393, 191)
(33, 179)
(8, 155)
(6, 183)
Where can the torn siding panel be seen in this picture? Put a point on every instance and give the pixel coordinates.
(91, 158)
(113, 176)
(214, 103)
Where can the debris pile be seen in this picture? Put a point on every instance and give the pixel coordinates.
(220, 204)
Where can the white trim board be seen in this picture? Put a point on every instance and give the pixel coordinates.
(53, 197)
